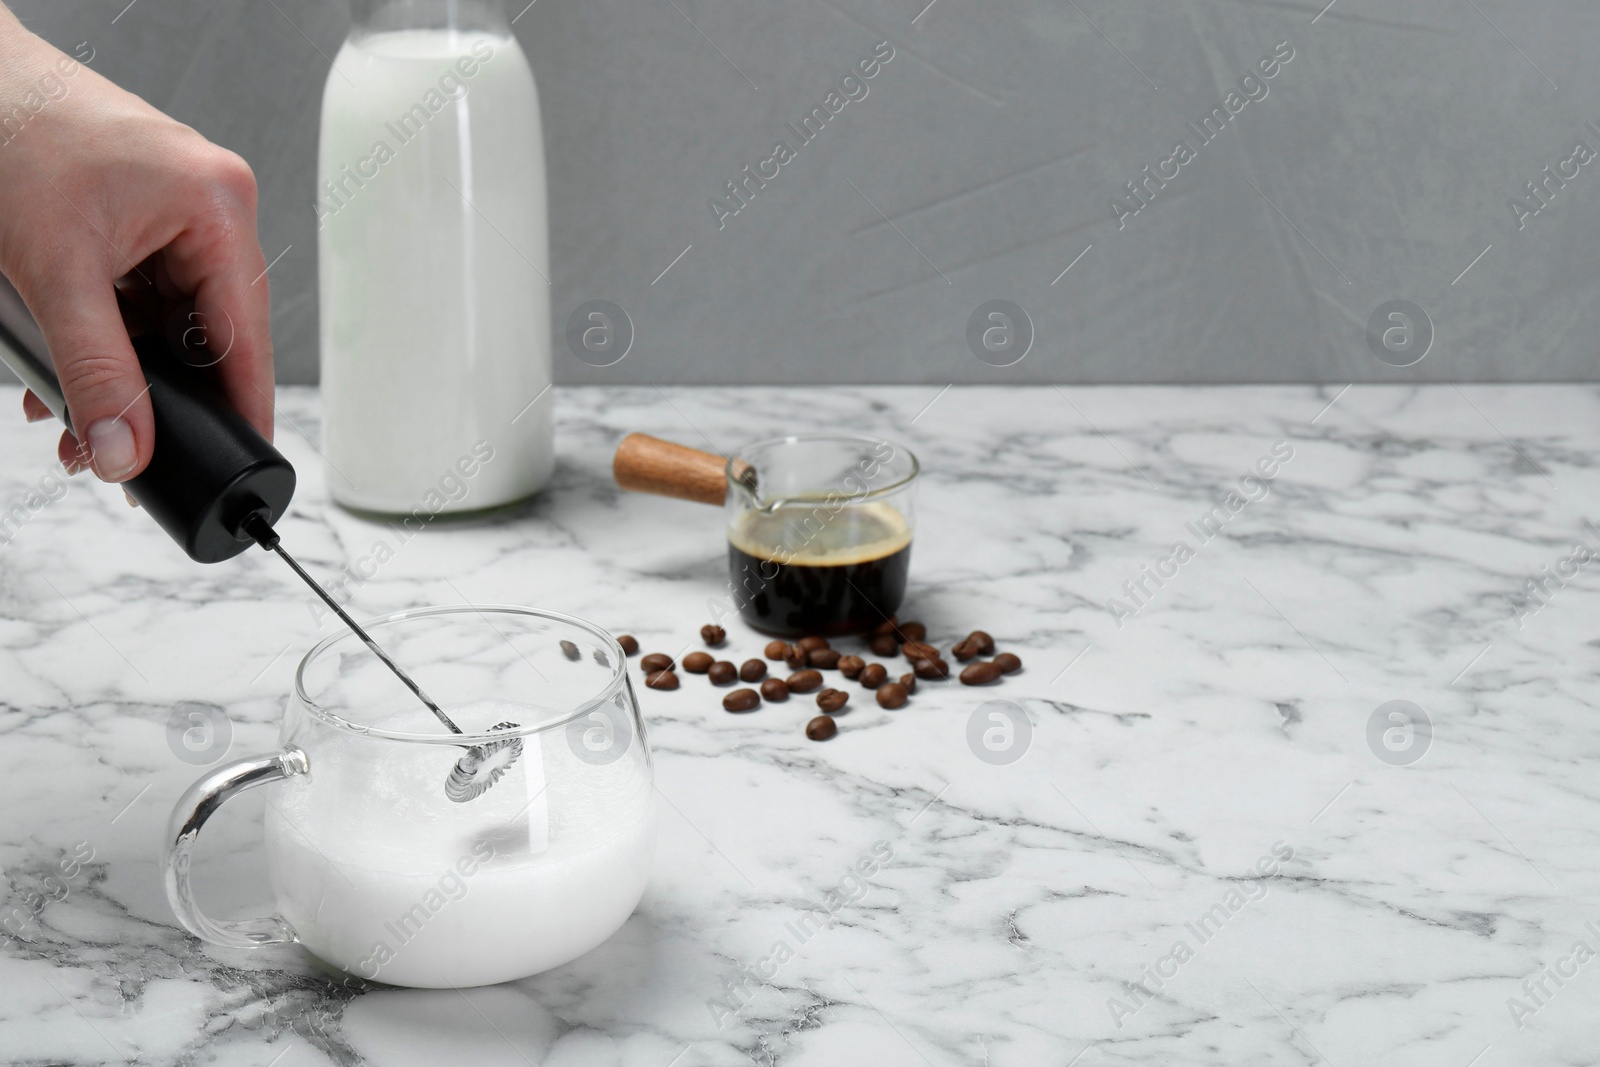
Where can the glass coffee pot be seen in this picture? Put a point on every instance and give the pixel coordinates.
(819, 525)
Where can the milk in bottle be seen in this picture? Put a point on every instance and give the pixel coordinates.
(433, 252)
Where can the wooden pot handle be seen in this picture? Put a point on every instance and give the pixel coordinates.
(646, 464)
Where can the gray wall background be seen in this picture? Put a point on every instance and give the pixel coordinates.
(1382, 161)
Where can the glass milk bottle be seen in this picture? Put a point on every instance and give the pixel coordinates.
(434, 259)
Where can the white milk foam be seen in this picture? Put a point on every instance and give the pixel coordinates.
(382, 876)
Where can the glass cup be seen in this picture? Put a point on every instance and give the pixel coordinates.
(819, 531)
(376, 870)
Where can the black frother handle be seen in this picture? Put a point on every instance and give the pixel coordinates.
(210, 470)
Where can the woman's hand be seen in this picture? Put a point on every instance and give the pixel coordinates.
(101, 193)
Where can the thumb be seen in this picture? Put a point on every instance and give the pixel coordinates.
(106, 392)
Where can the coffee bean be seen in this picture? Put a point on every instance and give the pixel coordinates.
(629, 644)
(752, 670)
(850, 666)
(809, 643)
(884, 645)
(831, 700)
(887, 626)
(713, 635)
(795, 657)
(1007, 663)
(600, 658)
(872, 676)
(698, 662)
(931, 669)
(821, 728)
(775, 690)
(804, 681)
(913, 631)
(909, 681)
(777, 649)
(721, 672)
(655, 661)
(891, 695)
(569, 650)
(982, 642)
(741, 700)
(826, 658)
(963, 650)
(980, 673)
(661, 680)
(915, 650)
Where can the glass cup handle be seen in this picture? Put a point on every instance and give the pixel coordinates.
(197, 805)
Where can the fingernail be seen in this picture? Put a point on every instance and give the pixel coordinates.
(132, 503)
(112, 452)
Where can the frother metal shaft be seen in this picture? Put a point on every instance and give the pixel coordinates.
(484, 764)
(264, 535)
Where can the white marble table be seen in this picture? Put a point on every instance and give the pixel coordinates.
(1173, 749)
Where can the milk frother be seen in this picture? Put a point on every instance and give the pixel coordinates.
(216, 486)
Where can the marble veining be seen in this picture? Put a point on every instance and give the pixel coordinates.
(1199, 858)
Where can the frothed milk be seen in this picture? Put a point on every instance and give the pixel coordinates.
(382, 876)
(433, 253)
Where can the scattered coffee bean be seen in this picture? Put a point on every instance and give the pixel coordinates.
(891, 695)
(741, 700)
(811, 654)
(831, 700)
(980, 673)
(569, 650)
(826, 658)
(982, 642)
(821, 728)
(884, 645)
(804, 681)
(600, 658)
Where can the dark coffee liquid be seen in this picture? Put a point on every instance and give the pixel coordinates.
(801, 570)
